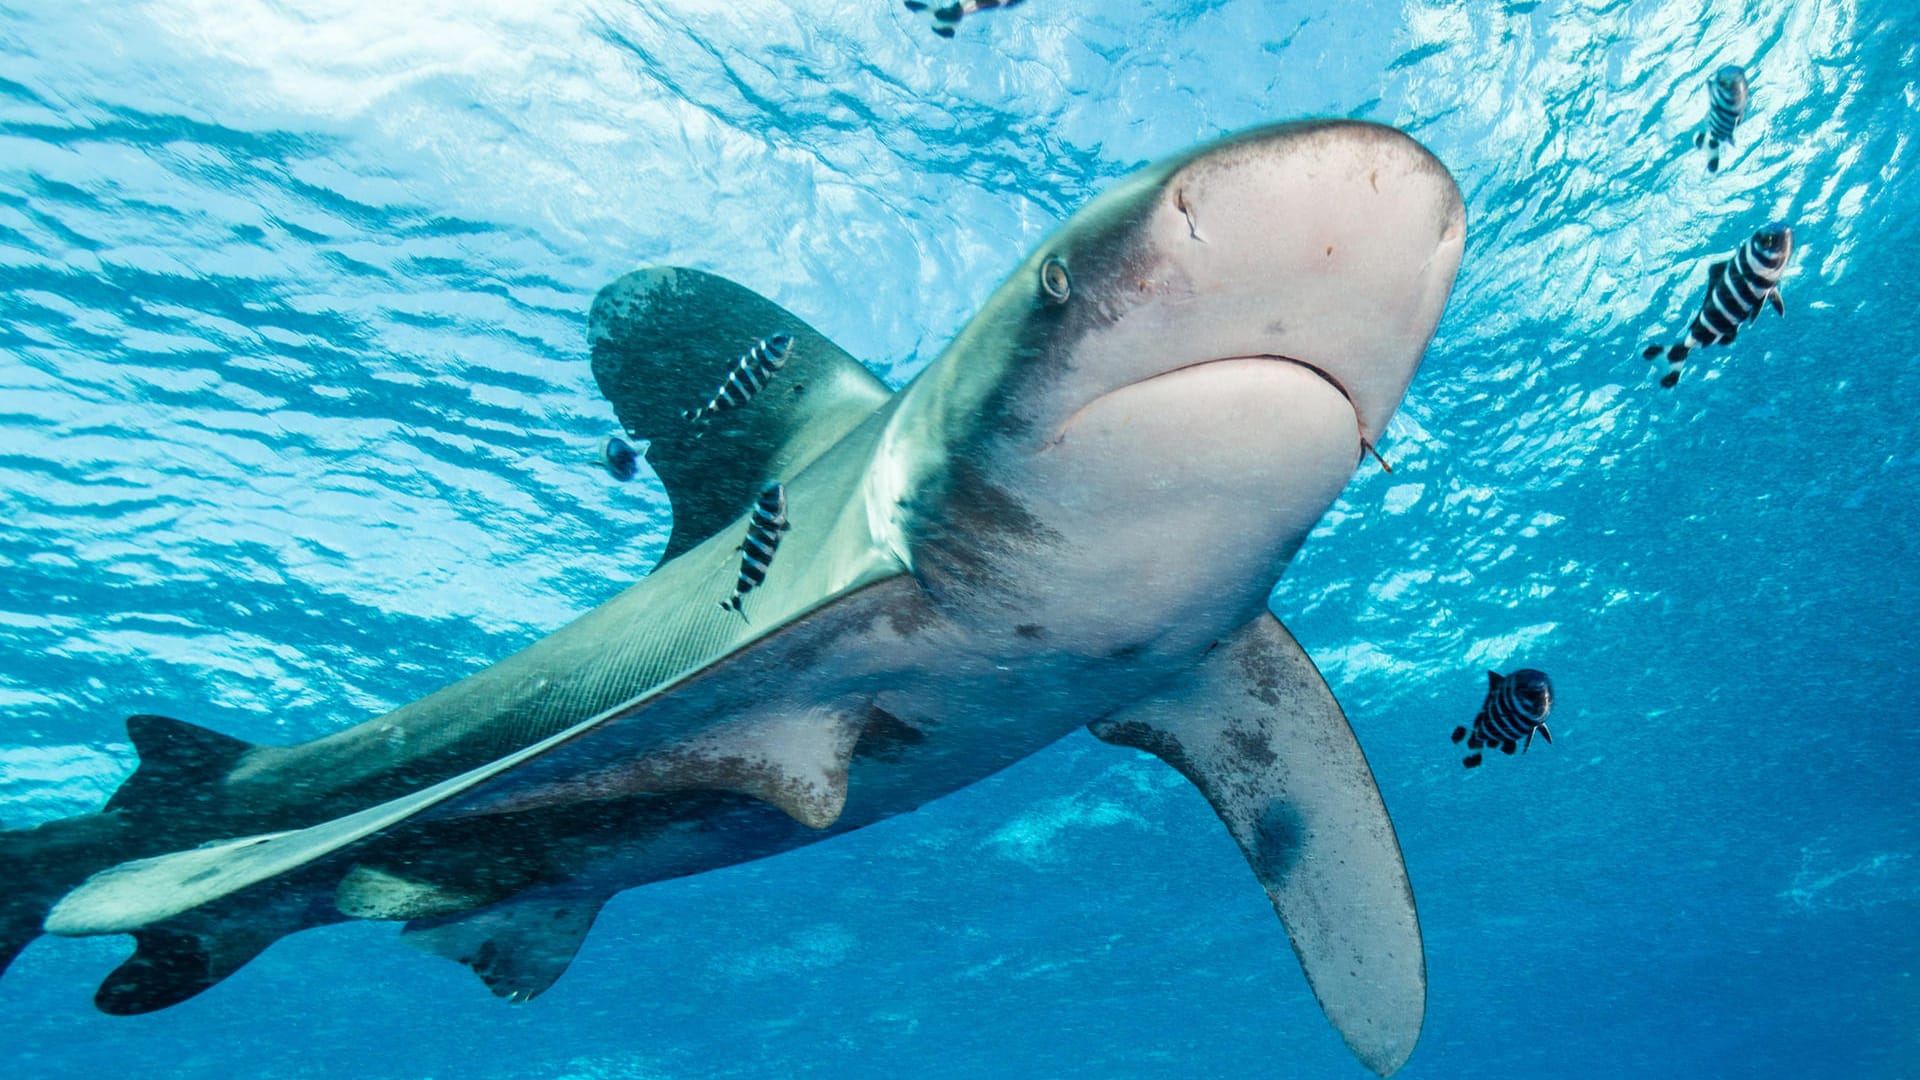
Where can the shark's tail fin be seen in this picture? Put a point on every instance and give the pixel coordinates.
(22, 907)
(152, 811)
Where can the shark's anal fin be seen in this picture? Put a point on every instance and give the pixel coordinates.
(663, 341)
(171, 964)
(1259, 733)
(518, 947)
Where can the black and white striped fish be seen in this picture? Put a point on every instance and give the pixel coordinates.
(946, 17)
(769, 520)
(1737, 289)
(1517, 706)
(746, 377)
(622, 461)
(1727, 97)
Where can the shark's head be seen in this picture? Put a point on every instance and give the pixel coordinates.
(1171, 390)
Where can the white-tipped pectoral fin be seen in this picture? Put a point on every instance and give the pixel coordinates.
(1259, 733)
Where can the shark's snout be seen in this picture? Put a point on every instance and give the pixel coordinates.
(1331, 243)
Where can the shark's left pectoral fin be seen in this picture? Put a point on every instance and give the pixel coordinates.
(1259, 733)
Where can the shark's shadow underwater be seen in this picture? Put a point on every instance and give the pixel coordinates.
(1073, 517)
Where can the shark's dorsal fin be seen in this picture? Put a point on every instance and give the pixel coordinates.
(663, 341)
(518, 947)
(176, 760)
(1259, 733)
(170, 965)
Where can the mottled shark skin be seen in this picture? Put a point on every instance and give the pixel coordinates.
(1073, 517)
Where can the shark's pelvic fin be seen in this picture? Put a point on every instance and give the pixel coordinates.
(664, 337)
(177, 761)
(1259, 733)
(518, 947)
(368, 892)
(796, 762)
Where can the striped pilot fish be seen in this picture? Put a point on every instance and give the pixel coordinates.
(1517, 706)
(747, 377)
(947, 16)
(1737, 289)
(769, 520)
(1727, 95)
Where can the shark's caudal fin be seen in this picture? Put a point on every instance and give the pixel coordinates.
(663, 341)
(1259, 733)
(29, 891)
(39, 865)
(518, 947)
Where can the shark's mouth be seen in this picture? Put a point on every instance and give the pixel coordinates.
(1325, 376)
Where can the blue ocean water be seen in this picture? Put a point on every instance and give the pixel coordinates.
(296, 425)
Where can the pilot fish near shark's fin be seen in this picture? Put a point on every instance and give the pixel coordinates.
(746, 378)
(664, 337)
(764, 526)
(518, 947)
(1259, 733)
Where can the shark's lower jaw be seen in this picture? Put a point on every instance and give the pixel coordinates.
(1193, 487)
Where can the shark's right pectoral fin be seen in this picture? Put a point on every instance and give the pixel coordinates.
(1259, 733)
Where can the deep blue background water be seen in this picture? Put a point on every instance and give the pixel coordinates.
(296, 425)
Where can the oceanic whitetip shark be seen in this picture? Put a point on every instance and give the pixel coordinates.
(1073, 517)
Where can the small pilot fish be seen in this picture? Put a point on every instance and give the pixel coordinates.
(763, 539)
(1727, 94)
(746, 377)
(1517, 705)
(620, 458)
(1737, 289)
(947, 16)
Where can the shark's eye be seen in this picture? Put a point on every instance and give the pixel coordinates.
(1054, 282)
